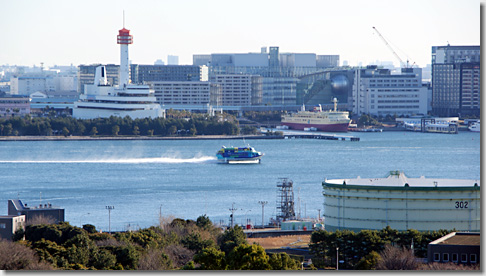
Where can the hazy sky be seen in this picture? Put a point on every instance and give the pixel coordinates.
(63, 32)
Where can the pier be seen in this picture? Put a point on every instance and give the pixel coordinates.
(320, 136)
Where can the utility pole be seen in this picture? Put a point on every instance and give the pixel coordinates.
(319, 217)
(109, 208)
(263, 203)
(160, 213)
(232, 209)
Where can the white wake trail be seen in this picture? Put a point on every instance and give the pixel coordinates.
(166, 160)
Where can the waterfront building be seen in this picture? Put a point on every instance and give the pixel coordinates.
(27, 84)
(327, 61)
(199, 60)
(457, 247)
(423, 204)
(280, 71)
(17, 207)
(61, 101)
(86, 74)
(378, 92)
(102, 99)
(318, 88)
(456, 80)
(10, 224)
(237, 90)
(185, 93)
(14, 105)
(140, 74)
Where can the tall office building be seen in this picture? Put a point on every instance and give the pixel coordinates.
(236, 90)
(456, 80)
(149, 73)
(172, 60)
(327, 61)
(273, 60)
(376, 91)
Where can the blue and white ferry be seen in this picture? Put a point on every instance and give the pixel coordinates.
(238, 155)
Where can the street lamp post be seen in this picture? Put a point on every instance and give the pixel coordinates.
(81, 225)
(109, 208)
(337, 258)
(319, 217)
(263, 203)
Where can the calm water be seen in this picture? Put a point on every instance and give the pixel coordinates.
(182, 178)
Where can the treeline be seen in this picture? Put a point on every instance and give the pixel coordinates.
(114, 126)
(263, 116)
(178, 244)
(360, 250)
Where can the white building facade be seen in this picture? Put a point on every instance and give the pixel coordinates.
(235, 89)
(27, 84)
(377, 92)
(182, 92)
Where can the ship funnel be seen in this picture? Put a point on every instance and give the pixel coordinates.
(334, 100)
(100, 76)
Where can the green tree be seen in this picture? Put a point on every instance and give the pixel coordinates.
(89, 228)
(232, 238)
(136, 130)
(282, 261)
(172, 130)
(102, 259)
(248, 257)
(204, 222)
(65, 131)
(211, 259)
(369, 261)
(115, 129)
(93, 131)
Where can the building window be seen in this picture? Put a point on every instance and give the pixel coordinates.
(464, 258)
(436, 257)
(445, 257)
(455, 257)
(3, 225)
(473, 258)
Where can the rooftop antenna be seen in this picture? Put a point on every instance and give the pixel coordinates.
(123, 19)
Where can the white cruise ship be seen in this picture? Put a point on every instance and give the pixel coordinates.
(102, 100)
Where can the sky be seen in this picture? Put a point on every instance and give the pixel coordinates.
(65, 32)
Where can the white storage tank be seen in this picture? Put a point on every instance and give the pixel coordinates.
(424, 204)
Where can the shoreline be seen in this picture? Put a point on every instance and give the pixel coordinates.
(98, 138)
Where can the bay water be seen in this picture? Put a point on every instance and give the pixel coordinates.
(148, 179)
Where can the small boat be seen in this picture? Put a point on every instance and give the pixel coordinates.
(475, 127)
(238, 155)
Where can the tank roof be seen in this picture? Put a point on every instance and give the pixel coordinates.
(399, 179)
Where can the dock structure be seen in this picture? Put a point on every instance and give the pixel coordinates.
(320, 136)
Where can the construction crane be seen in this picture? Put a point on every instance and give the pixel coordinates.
(391, 49)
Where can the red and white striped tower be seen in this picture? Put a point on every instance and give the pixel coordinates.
(124, 39)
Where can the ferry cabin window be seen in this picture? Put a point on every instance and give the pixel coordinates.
(473, 258)
(436, 257)
(445, 257)
(455, 257)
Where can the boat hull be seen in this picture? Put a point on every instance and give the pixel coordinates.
(233, 160)
(321, 127)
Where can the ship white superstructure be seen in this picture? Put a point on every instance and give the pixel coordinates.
(102, 100)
